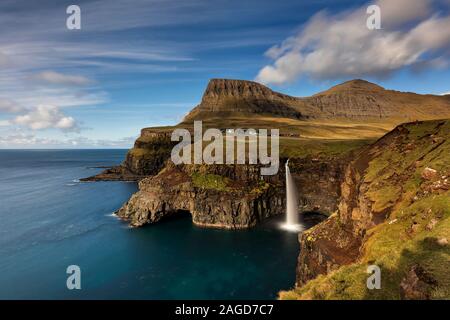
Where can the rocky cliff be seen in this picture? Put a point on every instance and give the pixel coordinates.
(394, 213)
(221, 196)
(147, 157)
(232, 196)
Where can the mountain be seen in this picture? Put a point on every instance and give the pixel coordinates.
(362, 99)
(355, 100)
(237, 98)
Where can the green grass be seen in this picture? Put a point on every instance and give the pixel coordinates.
(300, 148)
(145, 153)
(261, 187)
(210, 181)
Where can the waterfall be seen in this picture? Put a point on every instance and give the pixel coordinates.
(291, 199)
(293, 222)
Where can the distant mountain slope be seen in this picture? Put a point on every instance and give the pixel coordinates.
(356, 99)
(360, 99)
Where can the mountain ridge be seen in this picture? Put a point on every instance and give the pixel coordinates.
(354, 99)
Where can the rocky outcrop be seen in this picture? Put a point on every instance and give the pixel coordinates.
(325, 248)
(233, 196)
(221, 196)
(118, 173)
(150, 152)
(146, 158)
(417, 284)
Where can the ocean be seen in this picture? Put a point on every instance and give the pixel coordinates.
(50, 220)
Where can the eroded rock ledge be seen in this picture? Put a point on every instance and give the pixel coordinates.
(221, 196)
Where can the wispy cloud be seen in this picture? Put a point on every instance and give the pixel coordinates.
(53, 77)
(27, 140)
(10, 106)
(334, 46)
(4, 60)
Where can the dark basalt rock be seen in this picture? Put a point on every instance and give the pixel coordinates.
(235, 199)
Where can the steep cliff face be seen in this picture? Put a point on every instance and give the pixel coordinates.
(146, 158)
(150, 152)
(221, 196)
(318, 181)
(394, 213)
(231, 98)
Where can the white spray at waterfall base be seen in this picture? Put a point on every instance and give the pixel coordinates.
(293, 220)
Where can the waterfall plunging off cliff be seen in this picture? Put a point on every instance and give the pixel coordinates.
(293, 222)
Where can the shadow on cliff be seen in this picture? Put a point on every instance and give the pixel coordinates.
(171, 217)
(411, 278)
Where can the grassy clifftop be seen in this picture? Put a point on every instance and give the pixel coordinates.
(401, 212)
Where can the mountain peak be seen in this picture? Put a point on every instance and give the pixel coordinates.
(354, 85)
(236, 98)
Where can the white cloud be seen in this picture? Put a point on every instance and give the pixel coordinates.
(125, 142)
(22, 140)
(8, 105)
(445, 93)
(53, 77)
(397, 12)
(335, 46)
(45, 117)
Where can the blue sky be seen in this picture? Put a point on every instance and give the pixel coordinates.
(139, 63)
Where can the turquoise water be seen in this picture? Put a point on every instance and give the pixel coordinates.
(49, 221)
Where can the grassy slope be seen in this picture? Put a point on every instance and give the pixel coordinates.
(298, 139)
(404, 240)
